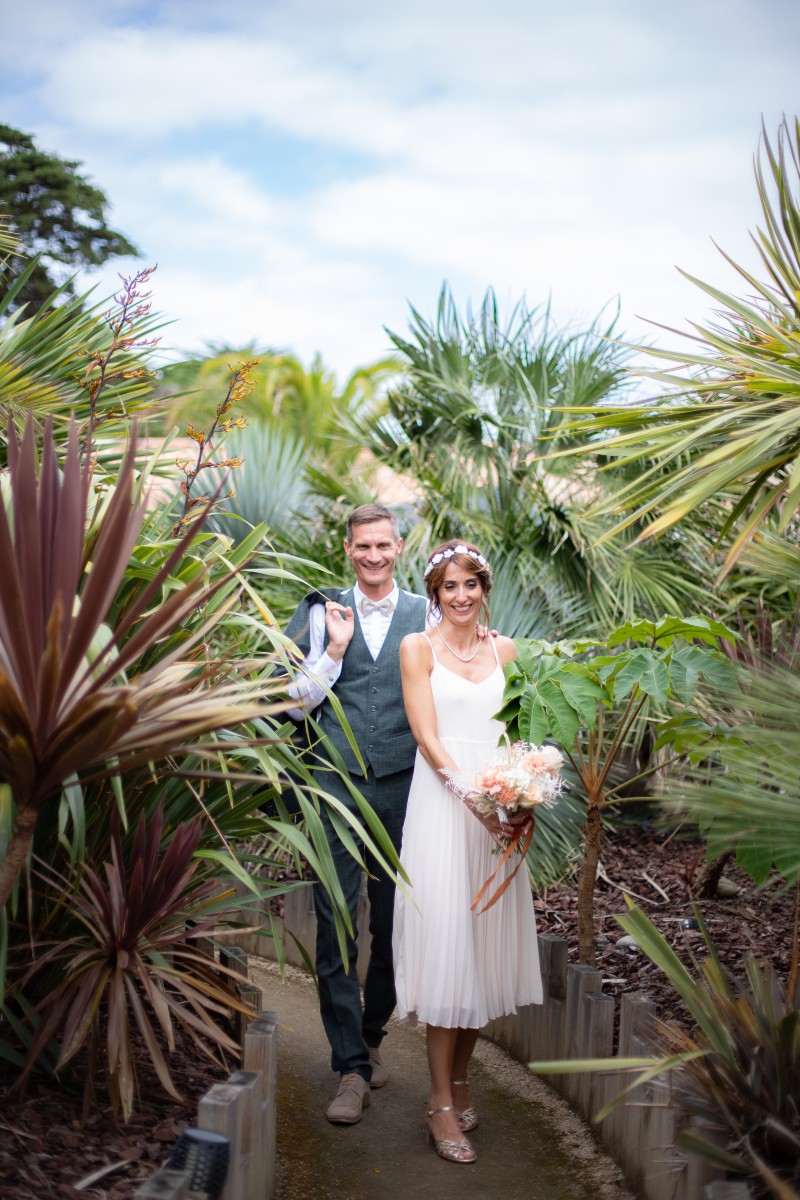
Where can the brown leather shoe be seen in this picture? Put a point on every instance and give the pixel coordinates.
(380, 1076)
(348, 1104)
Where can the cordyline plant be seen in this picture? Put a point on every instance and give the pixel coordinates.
(67, 706)
(131, 963)
(595, 698)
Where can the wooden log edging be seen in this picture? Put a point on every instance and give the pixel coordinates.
(243, 1110)
(640, 1131)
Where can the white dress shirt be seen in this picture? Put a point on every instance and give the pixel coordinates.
(319, 671)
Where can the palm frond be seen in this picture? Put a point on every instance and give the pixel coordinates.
(729, 421)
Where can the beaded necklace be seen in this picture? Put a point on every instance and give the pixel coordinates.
(455, 653)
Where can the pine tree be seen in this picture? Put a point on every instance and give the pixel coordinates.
(55, 212)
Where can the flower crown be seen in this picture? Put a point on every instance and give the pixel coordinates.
(450, 552)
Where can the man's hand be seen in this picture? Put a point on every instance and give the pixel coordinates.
(341, 627)
(483, 632)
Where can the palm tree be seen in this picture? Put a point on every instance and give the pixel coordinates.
(479, 402)
(69, 361)
(305, 403)
(726, 433)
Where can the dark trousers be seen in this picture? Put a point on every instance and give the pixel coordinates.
(351, 1031)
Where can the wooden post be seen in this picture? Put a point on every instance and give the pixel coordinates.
(635, 1108)
(665, 1165)
(260, 1054)
(538, 1048)
(249, 1111)
(220, 1112)
(251, 995)
(520, 1032)
(621, 1125)
(581, 979)
(700, 1173)
(724, 1189)
(235, 959)
(164, 1185)
(595, 1040)
(554, 952)
(299, 918)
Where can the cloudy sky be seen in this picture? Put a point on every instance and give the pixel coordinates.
(303, 170)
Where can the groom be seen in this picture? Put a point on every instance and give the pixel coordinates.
(351, 642)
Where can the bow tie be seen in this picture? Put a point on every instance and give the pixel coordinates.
(368, 606)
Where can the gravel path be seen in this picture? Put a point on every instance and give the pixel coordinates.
(529, 1143)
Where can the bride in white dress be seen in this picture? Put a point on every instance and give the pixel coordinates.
(454, 969)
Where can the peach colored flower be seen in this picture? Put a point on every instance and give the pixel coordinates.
(525, 777)
(542, 758)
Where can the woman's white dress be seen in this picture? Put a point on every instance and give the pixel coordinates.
(452, 967)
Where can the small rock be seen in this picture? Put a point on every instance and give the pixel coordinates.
(627, 943)
(726, 888)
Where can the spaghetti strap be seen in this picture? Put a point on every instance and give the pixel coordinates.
(493, 640)
(433, 652)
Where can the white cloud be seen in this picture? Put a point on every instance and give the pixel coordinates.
(301, 170)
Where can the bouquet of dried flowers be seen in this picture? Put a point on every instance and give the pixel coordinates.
(523, 778)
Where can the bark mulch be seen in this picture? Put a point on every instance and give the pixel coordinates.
(662, 872)
(45, 1151)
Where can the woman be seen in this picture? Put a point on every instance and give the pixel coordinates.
(456, 970)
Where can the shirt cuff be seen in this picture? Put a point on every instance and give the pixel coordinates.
(328, 668)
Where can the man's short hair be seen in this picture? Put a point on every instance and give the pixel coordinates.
(365, 514)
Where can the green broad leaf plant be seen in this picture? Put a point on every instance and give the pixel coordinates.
(596, 698)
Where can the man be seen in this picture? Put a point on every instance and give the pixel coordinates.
(352, 643)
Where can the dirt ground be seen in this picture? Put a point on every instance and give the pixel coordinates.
(661, 871)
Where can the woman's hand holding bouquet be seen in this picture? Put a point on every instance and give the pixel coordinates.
(504, 795)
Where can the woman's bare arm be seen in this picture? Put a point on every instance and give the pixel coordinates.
(415, 673)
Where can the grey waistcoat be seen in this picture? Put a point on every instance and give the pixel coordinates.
(371, 695)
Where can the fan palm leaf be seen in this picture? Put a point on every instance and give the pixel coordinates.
(268, 487)
(46, 364)
(730, 421)
(750, 799)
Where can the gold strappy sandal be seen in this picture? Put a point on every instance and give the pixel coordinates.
(457, 1152)
(467, 1117)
